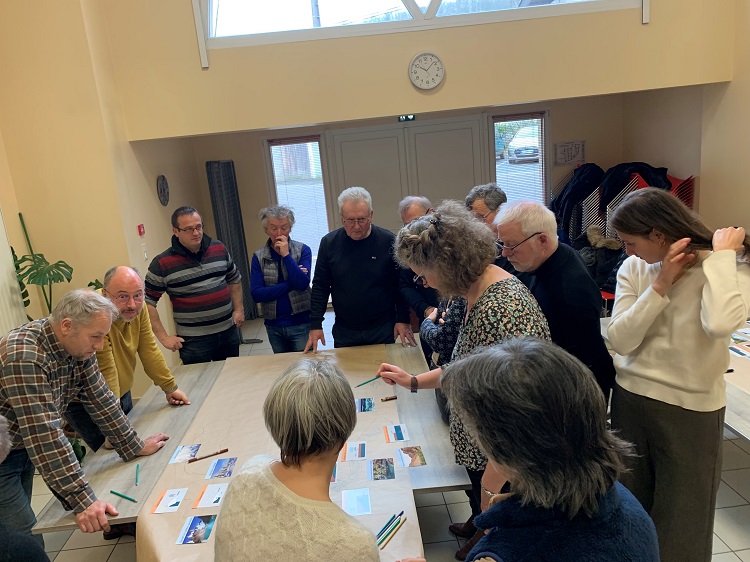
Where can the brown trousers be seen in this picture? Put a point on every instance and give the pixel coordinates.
(676, 472)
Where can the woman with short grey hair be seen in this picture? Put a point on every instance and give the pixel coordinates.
(453, 252)
(537, 412)
(281, 509)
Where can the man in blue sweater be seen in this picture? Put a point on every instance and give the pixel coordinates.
(280, 281)
(357, 269)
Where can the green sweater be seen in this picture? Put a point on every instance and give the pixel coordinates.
(117, 359)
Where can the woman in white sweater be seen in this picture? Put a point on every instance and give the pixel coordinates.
(281, 509)
(680, 295)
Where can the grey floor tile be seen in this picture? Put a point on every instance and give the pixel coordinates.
(126, 539)
(727, 497)
(80, 540)
(123, 552)
(459, 512)
(719, 546)
(734, 457)
(726, 557)
(744, 555)
(434, 522)
(441, 551)
(38, 502)
(94, 554)
(52, 556)
(54, 542)
(424, 500)
(742, 444)
(732, 525)
(738, 480)
(458, 496)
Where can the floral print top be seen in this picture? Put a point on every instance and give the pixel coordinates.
(506, 310)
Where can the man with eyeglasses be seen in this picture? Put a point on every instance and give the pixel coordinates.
(203, 284)
(357, 269)
(560, 282)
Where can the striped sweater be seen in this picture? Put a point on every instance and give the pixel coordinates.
(197, 285)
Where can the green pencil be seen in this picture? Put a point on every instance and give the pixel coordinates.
(137, 473)
(370, 380)
(123, 496)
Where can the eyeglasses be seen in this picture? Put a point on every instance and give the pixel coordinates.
(482, 216)
(418, 279)
(359, 222)
(191, 229)
(504, 248)
(125, 299)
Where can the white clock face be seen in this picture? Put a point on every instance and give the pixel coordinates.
(426, 71)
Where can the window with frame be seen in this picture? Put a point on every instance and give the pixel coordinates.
(293, 20)
(298, 182)
(520, 156)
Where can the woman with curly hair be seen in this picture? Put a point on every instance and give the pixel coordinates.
(453, 252)
(680, 295)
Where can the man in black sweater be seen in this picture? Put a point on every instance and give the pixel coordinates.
(356, 267)
(561, 284)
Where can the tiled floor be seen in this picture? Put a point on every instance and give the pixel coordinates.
(437, 511)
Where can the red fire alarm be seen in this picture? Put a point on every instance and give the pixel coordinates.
(141, 230)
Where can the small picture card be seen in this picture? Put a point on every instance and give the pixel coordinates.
(184, 453)
(381, 469)
(196, 529)
(411, 456)
(221, 468)
(335, 470)
(356, 502)
(169, 501)
(364, 404)
(211, 495)
(395, 433)
(740, 338)
(354, 451)
(744, 331)
(739, 352)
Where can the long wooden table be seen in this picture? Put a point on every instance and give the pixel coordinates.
(226, 412)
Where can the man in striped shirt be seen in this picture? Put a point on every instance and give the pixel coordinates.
(204, 286)
(45, 365)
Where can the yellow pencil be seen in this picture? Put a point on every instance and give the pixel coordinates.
(393, 532)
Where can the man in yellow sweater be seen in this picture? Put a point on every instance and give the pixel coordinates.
(130, 334)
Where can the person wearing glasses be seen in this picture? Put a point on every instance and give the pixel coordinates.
(130, 335)
(498, 307)
(356, 268)
(561, 284)
(201, 280)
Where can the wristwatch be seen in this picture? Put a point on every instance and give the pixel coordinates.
(414, 383)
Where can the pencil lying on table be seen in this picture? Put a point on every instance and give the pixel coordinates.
(123, 496)
(389, 536)
(137, 473)
(207, 456)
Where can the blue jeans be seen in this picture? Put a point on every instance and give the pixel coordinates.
(79, 418)
(213, 347)
(16, 481)
(284, 339)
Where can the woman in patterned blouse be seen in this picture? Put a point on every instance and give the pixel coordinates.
(453, 252)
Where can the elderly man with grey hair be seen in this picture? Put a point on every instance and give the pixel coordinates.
(356, 268)
(485, 202)
(46, 364)
(280, 281)
(560, 282)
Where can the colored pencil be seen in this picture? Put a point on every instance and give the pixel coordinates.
(387, 525)
(388, 398)
(376, 377)
(123, 496)
(391, 526)
(196, 459)
(137, 473)
(393, 532)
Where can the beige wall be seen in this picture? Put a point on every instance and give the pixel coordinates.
(165, 92)
(725, 165)
(663, 128)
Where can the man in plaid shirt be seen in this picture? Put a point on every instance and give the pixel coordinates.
(45, 365)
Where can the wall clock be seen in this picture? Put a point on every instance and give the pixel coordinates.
(426, 71)
(162, 190)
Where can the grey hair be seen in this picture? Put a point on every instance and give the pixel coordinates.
(357, 195)
(490, 193)
(309, 410)
(537, 411)
(531, 216)
(4, 438)
(276, 212)
(81, 305)
(410, 200)
(111, 273)
(452, 243)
